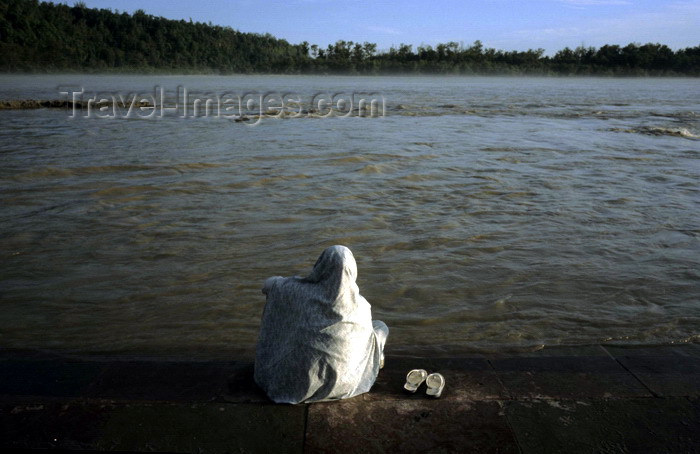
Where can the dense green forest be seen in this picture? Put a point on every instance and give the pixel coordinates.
(42, 36)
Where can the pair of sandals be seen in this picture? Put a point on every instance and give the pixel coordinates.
(435, 382)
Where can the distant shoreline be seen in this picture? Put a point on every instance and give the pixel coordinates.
(29, 104)
(100, 40)
(151, 72)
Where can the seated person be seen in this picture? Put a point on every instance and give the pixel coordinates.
(317, 338)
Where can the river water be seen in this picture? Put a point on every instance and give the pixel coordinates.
(485, 214)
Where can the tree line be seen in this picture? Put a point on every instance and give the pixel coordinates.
(45, 37)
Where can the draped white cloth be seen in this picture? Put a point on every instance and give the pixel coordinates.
(317, 340)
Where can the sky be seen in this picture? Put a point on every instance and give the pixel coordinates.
(501, 24)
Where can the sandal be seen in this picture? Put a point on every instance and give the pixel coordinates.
(435, 383)
(414, 379)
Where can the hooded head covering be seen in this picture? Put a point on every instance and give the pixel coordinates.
(334, 275)
(335, 264)
(316, 338)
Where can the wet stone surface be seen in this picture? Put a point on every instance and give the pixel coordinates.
(567, 377)
(162, 381)
(569, 400)
(424, 425)
(465, 379)
(147, 427)
(666, 371)
(48, 424)
(605, 425)
(205, 428)
(46, 377)
(241, 387)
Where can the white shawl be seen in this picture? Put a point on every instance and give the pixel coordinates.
(316, 339)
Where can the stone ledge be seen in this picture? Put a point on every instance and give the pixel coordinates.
(584, 399)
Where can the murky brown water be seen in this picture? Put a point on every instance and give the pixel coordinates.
(484, 214)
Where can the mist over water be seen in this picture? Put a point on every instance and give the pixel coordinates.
(485, 214)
